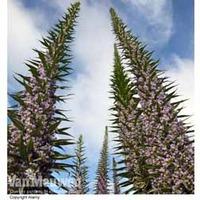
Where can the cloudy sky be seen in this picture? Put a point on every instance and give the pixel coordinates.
(165, 25)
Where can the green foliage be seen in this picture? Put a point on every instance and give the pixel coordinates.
(125, 122)
(34, 124)
(80, 170)
(122, 87)
(115, 178)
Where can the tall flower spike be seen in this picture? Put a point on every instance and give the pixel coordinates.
(115, 178)
(80, 171)
(168, 149)
(102, 178)
(32, 143)
(127, 125)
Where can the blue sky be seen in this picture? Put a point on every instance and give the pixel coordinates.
(165, 25)
(182, 18)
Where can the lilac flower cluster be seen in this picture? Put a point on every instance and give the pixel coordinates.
(169, 149)
(102, 185)
(158, 137)
(129, 125)
(159, 153)
(102, 179)
(36, 115)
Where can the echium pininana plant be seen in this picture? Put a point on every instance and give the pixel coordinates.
(102, 178)
(127, 125)
(116, 185)
(167, 149)
(32, 140)
(80, 183)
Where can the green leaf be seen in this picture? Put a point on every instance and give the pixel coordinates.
(17, 123)
(61, 142)
(22, 148)
(53, 127)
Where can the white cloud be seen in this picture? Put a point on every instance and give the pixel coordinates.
(158, 15)
(61, 5)
(182, 71)
(93, 48)
(23, 35)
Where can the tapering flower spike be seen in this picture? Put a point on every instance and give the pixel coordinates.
(102, 178)
(32, 140)
(80, 170)
(167, 148)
